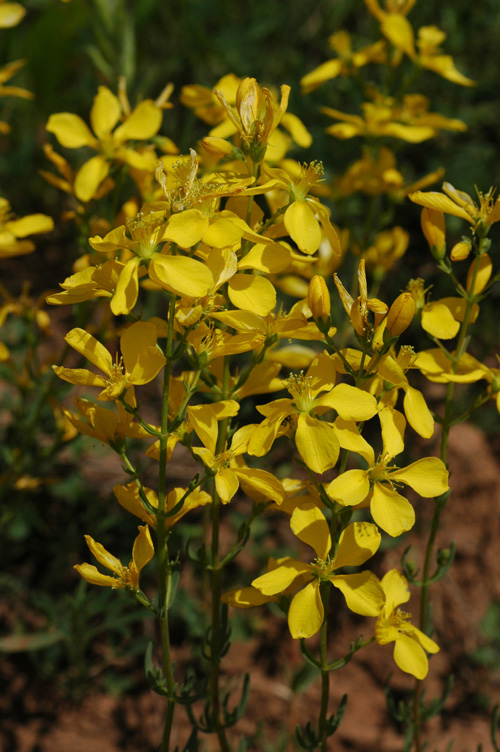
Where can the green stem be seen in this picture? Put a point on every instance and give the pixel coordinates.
(439, 504)
(164, 564)
(325, 674)
(216, 568)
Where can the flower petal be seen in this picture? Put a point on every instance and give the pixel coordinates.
(362, 592)
(303, 227)
(358, 542)
(350, 488)
(184, 276)
(70, 130)
(428, 476)
(391, 511)
(252, 293)
(306, 612)
(317, 443)
(309, 525)
(281, 578)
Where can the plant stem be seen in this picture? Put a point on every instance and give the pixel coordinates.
(164, 564)
(215, 646)
(439, 504)
(325, 674)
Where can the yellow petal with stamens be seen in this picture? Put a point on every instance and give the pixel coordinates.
(306, 612)
(252, 293)
(317, 443)
(105, 112)
(428, 476)
(90, 177)
(391, 511)
(70, 130)
(303, 227)
(143, 123)
(309, 525)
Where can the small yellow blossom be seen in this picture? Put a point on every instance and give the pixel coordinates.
(483, 213)
(362, 591)
(346, 62)
(394, 625)
(14, 231)
(391, 511)
(109, 138)
(123, 577)
(140, 363)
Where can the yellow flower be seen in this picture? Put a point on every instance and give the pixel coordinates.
(391, 511)
(305, 216)
(123, 577)
(393, 23)
(105, 425)
(213, 105)
(459, 204)
(394, 625)
(428, 42)
(140, 363)
(410, 120)
(256, 116)
(358, 309)
(316, 439)
(108, 139)
(14, 231)
(10, 14)
(129, 498)
(348, 61)
(362, 591)
(228, 471)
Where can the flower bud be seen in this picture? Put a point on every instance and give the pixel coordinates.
(434, 229)
(483, 274)
(400, 314)
(460, 251)
(318, 298)
(217, 147)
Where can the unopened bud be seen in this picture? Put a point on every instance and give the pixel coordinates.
(434, 229)
(482, 275)
(318, 298)
(400, 314)
(217, 147)
(460, 251)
